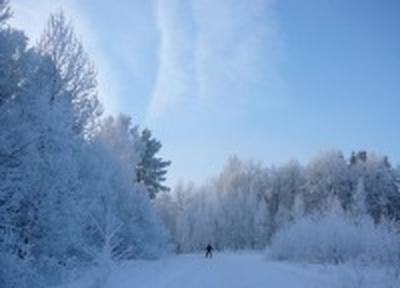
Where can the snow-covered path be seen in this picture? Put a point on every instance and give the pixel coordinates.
(224, 270)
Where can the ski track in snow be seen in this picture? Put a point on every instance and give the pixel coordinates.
(243, 270)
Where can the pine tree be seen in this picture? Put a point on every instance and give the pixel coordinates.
(5, 11)
(151, 170)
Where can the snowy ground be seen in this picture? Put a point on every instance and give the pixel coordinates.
(224, 270)
(239, 270)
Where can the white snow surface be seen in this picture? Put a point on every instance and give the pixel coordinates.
(236, 270)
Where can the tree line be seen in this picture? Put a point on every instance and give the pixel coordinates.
(247, 203)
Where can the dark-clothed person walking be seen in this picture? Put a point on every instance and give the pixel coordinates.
(209, 250)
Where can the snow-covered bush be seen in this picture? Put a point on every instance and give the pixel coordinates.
(336, 238)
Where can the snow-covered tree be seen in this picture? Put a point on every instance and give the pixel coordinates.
(382, 194)
(124, 140)
(77, 72)
(12, 48)
(327, 175)
(359, 208)
(166, 207)
(66, 201)
(120, 223)
(262, 225)
(334, 237)
(288, 184)
(247, 204)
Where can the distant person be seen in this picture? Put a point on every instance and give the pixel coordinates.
(209, 250)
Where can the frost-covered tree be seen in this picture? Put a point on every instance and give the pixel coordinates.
(167, 208)
(359, 208)
(119, 221)
(16, 138)
(66, 201)
(288, 184)
(380, 184)
(336, 238)
(247, 204)
(12, 47)
(184, 223)
(77, 72)
(382, 194)
(231, 211)
(326, 176)
(262, 225)
(124, 140)
(151, 170)
(39, 187)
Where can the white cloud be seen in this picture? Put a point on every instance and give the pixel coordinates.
(210, 53)
(176, 53)
(31, 16)
(217, 51)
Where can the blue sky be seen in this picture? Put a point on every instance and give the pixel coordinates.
(266, 80)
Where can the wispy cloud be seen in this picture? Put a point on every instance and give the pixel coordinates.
(177, 50)
(210, 52)
(216, 51)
